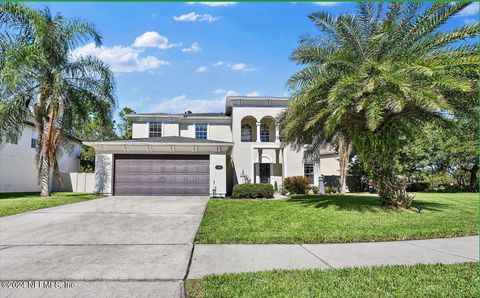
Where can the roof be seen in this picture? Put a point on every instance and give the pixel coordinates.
(257, 101)
(173, 139)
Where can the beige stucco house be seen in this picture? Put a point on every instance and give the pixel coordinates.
(204, 153)
(18, 169)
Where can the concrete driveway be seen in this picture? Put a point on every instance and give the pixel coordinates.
(115, 246)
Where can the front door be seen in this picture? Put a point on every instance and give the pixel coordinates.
(264, 173)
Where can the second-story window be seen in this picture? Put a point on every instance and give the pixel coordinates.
(201, 131)
(264, 133)
(33, 142)
(246, 133)
(155, 129)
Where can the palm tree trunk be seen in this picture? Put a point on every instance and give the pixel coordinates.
(344, 150)
(45, 177)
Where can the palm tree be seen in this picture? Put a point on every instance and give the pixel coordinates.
(41, 81)
(375, 77)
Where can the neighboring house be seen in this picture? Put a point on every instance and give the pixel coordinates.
(204, 153)
(18, 169)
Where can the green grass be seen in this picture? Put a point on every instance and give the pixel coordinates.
(14, 203)
(459, 280)
(330, 218)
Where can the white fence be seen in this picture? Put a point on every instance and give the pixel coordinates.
(75, 182)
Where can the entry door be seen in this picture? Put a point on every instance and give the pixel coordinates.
(264, 173)
(161, 175)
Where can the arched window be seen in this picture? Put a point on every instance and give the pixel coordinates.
(246, 133)
(264, 133)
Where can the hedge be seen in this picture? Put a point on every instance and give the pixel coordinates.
(253, 191)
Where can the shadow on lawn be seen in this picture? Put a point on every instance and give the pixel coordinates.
(357, 203)
(19, 195)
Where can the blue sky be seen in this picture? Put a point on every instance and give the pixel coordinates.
(170, 57)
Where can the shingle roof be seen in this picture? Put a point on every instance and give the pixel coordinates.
(173, 139)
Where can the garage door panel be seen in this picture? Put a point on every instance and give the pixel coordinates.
(161, 175)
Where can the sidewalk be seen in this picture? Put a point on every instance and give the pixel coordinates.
(236, 258)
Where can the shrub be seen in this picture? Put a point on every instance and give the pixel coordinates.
(275, 186)
(253, 191)
(418, 186)
(315, 189)
(297, 184)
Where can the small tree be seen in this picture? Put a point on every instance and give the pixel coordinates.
(125, 126)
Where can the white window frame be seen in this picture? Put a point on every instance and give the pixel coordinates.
(161, 129)
(195, 129)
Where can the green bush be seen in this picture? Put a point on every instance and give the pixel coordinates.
(315, 189)
(253, 191)
(297, 184)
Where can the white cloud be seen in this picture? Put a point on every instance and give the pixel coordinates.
(253, 93)
(181, 103)
(154, 40)
(472, 9)
(234, 66)
(193, 48)
(241, 67)
(194, 17)
(219, 63)
(120, 59)
(219, 91)
(327, 4)
(214, 4)
(231, 93)
(201, 69)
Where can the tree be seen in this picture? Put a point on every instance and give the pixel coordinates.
(376, 78)
(93, 130)
(125, 126)
(40, 79)
(444, 150)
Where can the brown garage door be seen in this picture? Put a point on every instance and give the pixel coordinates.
(161, 175)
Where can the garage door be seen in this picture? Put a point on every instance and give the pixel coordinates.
(161, 175)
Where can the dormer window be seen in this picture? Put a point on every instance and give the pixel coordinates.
(246, 133)
(155, 130)
(264, 133)
(201, 131)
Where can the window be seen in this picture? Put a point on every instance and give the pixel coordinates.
(308, 171)
(246, 133)
(155, 129)
(201, 131)
(33, 142)
(264, 133)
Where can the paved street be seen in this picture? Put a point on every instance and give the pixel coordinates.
(120, 246)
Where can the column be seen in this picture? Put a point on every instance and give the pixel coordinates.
(277, 133)
(258, 131)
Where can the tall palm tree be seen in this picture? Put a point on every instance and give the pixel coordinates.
(40, 80)
(374, 77)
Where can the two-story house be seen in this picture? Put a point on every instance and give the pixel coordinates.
(18, 168)
(204, 153)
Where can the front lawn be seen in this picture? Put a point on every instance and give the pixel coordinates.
(14, 203)
(337, 218)
(458, 280)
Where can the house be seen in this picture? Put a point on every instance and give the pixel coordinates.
(204, 153)
(18, 168)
